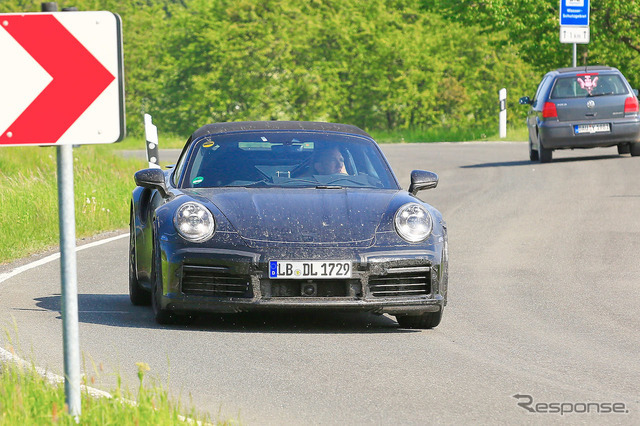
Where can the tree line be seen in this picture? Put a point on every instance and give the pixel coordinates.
(378, 64)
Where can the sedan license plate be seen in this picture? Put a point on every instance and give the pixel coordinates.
(592, 128)
(313, 269)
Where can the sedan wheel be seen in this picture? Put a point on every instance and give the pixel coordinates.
(138, 295)
(544, 154)
(634, 148)
(533, 154)
(624, 148)
(425, 320)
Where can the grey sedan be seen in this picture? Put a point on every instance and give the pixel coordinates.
(584, 107)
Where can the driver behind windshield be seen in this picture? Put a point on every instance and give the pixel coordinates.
(328, 161)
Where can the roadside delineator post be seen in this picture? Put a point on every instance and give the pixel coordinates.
(151, 135)
(503, 113)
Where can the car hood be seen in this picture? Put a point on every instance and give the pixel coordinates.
(304, 215)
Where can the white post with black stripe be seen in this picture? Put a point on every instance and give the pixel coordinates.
(151, 135)
(503, 113)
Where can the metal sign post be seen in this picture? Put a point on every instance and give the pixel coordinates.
(65, 86)
(69, 279)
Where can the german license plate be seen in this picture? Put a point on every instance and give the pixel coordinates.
(592, 128)
(312, 269)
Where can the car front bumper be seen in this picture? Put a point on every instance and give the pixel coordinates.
(394, 281)
(561, 135)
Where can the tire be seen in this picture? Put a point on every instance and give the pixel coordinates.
(423, 321)
(161, 315)
(634, 149)
(533, 154)
(544, 154)
(138, 295)
(624, 148)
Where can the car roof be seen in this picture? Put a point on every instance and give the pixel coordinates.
(238, 126)
(577, 70)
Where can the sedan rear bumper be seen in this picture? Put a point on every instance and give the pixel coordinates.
(561, 135)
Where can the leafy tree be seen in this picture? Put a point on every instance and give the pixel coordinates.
(533, 26)
(379, 64)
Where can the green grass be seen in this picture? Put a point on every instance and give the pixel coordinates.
(29, 199)
(164, 142)
(27, 398)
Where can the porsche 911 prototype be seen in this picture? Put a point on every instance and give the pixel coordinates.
(286, 215)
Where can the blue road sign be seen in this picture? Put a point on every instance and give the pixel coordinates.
(574, 12)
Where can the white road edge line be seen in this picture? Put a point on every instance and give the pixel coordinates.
(55, 256)
(6, 356)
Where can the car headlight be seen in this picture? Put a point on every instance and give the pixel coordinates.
(194, 222)
(413, 222)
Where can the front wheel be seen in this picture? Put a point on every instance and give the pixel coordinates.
(163, 316)
(422, 321)
(634, 148)
(138, 295)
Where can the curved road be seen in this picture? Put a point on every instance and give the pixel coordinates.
(543, 303)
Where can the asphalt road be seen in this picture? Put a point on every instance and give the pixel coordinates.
(543, 301)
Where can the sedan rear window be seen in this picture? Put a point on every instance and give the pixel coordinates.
(588, 84)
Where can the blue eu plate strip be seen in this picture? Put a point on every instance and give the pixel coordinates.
(273, 269)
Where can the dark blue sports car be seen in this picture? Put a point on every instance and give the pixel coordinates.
(286, 215)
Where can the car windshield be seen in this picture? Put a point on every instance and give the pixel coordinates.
(287, 159)
(587, 85)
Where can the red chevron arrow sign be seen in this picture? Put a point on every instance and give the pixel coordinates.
(61, 78)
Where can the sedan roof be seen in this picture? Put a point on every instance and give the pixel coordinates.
(237, 126)
(585, 69)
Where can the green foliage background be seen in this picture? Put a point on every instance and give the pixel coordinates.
(384, 65)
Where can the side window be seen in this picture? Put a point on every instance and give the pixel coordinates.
(177, 172)
(543, 84)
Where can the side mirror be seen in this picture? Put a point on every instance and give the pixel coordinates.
(152, 179)
(421, 179)
(525, 100)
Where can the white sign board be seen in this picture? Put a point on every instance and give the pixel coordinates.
(574, 21)
(61, 78)
(571, 34)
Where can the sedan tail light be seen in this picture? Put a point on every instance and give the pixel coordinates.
(549, 110)
(631, 105)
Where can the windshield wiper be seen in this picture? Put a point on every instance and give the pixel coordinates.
(263, 182)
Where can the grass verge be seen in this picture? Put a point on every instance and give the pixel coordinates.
(29, 199)
(26, 397)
